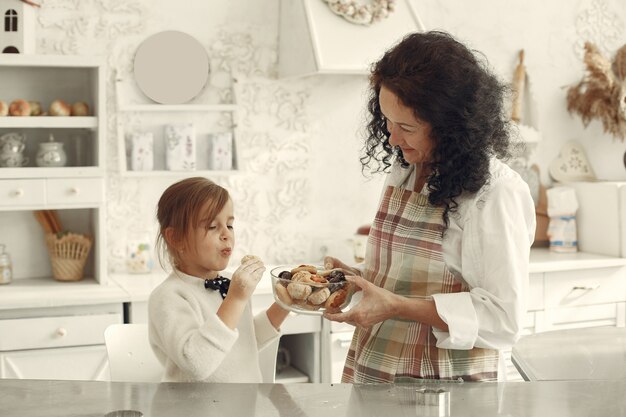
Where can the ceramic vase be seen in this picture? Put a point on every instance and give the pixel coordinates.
(180, 154)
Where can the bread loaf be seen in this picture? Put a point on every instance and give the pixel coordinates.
(19, 108)
(59, 108)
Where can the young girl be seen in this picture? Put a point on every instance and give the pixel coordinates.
(200, 324)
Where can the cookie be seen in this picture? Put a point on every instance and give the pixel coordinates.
(317, 297)
(299, 291)
(302, 276)
(308, 268)
(327, 272)
(283, 295)
(318, 279)
(246, 258)
(336, 299)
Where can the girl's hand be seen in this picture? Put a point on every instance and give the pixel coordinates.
(245, 279)
(376, 305)
(330, 263)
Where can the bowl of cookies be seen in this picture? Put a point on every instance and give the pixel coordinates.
(308, 289)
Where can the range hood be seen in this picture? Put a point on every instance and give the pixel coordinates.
(315, 40)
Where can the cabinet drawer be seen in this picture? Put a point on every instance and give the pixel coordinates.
(74, 191)
(87, 363)
(48, 332)
(14, 193)
(585, 287)
(586, 316)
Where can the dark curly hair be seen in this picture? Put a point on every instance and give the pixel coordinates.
(448, 87)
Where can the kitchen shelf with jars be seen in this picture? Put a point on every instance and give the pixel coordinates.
(52, 155)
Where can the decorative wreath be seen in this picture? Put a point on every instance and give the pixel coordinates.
(362, 14)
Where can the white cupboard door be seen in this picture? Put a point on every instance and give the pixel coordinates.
(79, 363)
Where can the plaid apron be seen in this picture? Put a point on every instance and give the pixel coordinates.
(404, 255)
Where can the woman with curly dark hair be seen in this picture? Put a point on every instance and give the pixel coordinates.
(445, 275)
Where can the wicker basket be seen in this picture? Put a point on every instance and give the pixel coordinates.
(68, 254)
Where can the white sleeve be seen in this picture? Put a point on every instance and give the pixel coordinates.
(195, 347)
(264, 330)
(496, 242)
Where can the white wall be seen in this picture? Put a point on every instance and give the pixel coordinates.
(552, 33)
(298, 139)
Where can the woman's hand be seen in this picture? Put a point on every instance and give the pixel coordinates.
(331, 263)
(376, 305)
(245, 279)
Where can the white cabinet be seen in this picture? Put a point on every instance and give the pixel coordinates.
(76, 190)
(56, 343)
(575, 290)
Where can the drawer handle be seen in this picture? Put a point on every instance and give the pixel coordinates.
(61, 332)
(74, 190)
(18, 193)
(578, 291)
(585, 287)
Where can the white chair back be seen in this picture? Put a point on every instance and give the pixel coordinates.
(267, 361)
(131, 358)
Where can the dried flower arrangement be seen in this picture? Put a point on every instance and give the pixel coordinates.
(602, 92)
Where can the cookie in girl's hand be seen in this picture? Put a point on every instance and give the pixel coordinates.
(246, 258)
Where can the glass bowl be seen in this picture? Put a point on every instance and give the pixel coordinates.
(308, 289)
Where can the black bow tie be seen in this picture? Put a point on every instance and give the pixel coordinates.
(220, 283)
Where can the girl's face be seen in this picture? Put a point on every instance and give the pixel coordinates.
(410, 134)
(213, 244)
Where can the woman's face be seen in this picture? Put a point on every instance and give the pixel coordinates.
(213, 245)
(411, 135)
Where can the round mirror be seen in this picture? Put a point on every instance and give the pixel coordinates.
(171, 67)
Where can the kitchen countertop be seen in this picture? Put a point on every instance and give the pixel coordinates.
(46, 292)
(42, 292)
(597, 352)
(42, 398)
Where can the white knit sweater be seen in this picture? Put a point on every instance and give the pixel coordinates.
(193, 343)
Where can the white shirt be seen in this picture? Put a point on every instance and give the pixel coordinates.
(194, 344)
(488, 243)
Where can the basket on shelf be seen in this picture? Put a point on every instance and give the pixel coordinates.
(68, 254)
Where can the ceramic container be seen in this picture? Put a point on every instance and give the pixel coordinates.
(180, 154)
(51, 154)
(142, 151)
(221, 151)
